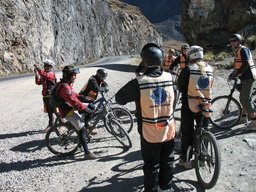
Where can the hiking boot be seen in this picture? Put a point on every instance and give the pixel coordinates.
(243, 120)
(91, 155)
(251, 126)
(185, 164)
(163, 190)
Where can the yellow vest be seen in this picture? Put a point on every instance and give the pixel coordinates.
(238, 61)
(156, 102)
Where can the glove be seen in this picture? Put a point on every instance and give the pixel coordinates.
(232, 76)
(88, 110)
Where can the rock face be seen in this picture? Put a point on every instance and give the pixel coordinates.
(209, 23)
(69, 32)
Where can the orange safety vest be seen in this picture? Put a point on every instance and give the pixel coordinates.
(168, 61)
(156, 102)
(92, 95)
(238, 61)
(199, 85)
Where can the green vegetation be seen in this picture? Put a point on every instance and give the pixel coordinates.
(250, 42)
(209, 56)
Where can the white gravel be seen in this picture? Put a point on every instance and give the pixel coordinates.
(27, 165)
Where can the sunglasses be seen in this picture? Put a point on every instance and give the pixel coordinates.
(233, 40)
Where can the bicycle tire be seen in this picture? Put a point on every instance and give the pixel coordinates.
(208, 161)
(124, 117)
(119, 133)
(62, 139)
(225, 119)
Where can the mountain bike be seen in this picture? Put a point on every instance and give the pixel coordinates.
(227, 109)
(207, 154)
(62, 139)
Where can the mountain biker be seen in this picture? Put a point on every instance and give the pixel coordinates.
(153, 95)
(181, 59)
(244, 68)
(168, 60)
(94, 85)
(46, 78)
(71, 103)
(195, 83)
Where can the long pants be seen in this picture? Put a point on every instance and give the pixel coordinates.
(246, 95)
(158, 164)
(187, 128)
(50, 110)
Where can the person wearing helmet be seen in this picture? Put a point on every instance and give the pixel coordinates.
(168, 59)
(195, 83)
(153, 95)
(94, 85)
(46, 78)
(71, 103)
(181, 60)
(244, 68)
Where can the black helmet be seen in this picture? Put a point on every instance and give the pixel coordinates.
(152, 55)
(69, 70)
(102, 73)
(184, 47)
(236, 36)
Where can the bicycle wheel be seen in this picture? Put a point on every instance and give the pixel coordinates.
(227, 112)
(124, 117)
(120, 134)
(62, 139)
(207, 161)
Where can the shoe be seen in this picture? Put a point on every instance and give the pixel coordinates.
(243, 120)
(251, 126)
(163, 190)
(91, 155)
(185, 164)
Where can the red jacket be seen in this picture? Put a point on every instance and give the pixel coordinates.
(47, 80)
(71, 100)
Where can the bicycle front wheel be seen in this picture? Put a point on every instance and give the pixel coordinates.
(62, 139)
(120, 134)
(227, 112)
(124, 117)
(207, 161)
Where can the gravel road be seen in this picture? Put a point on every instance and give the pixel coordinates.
(27, 165)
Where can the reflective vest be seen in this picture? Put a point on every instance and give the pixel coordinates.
(182, 62)
(238, 61)
(156, 102)
(92, 95)
(168, 61)
(199, 85)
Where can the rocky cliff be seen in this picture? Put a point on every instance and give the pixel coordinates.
(69, 32)
(209, 23)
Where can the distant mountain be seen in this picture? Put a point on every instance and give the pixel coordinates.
(157, 11)
(164, 14)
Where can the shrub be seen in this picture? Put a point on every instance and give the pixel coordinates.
(209, 56)
(250, 42)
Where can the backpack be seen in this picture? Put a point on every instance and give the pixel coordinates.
(55, 99)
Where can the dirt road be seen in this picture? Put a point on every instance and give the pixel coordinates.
(27, 165)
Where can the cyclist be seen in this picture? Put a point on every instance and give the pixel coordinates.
(46, 78)
(94, 85)
(168, 60)
(71, 103)
(181, 59)
(244, 68)
(153, 95)
(195, 82)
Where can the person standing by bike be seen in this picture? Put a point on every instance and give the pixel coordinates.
(181, 59)
(71, 103)
(244, 68)
(168, 60)
(153, 95)
(94, 85)
(46, 78)
(195, 82)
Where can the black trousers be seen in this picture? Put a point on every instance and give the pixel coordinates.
(188, 119)
(158, 164)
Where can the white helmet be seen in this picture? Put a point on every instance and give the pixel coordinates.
(195, 52)
(49, 62)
